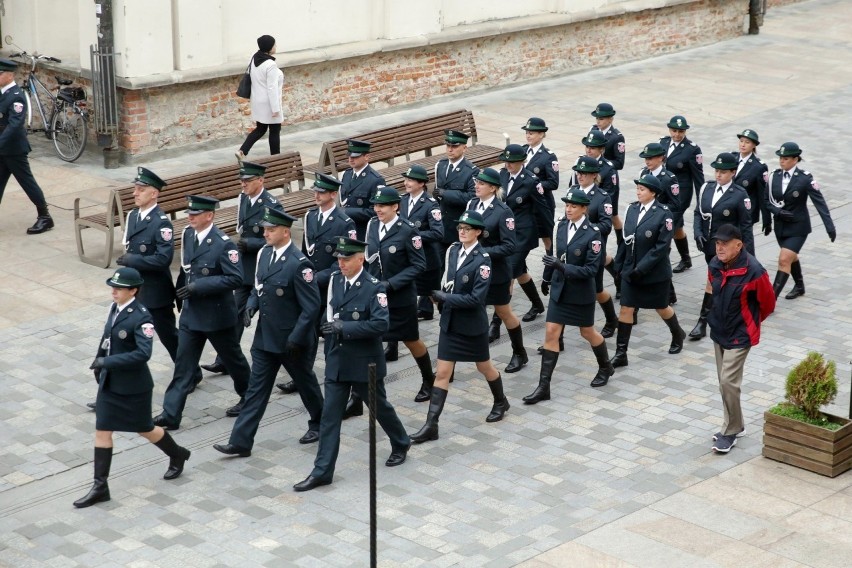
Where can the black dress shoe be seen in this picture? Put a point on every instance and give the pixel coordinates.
(532, 314)
(161, 421)
(43, 223)
(425, 316)
(516, 363)
(215, 368)
(232, 450)
(397, 457)
(311, 482)
(353, 408)
(287, 388)
(236, 409)
(684, 264)
(91, 405)
(310, 437)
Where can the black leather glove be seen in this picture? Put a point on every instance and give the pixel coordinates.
(700, 243)
(785, 215)
(242, 245)
(121, 261)
(633, 276)
(247, 315)
(331, 327)
(96, 367)
(549, 260)
(439, 295)
(293, 350)
(767, 228)
(437, 193)
(545, 287)
(186, 291)
(832, 235)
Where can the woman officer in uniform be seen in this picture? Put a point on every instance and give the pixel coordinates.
(125, 385)
(787, 195)
(579, 253)
(464, 322)
(643, 263)
(751, 175)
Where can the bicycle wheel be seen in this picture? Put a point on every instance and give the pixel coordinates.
(69, 130)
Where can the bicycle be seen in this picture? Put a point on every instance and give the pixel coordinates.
(67, 125)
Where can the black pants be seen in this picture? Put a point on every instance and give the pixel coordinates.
(19, 166)
(241, 296)
(190, 345)
(257, 134)
(164, 325)
(264, 368)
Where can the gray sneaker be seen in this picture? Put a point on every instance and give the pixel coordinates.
(740, 434)
(724, 444)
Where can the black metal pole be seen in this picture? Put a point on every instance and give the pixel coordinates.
(371, 404)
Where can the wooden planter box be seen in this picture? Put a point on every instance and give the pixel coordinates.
(807, 446)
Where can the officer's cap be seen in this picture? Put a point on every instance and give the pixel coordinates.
(652, 150)
(728, 232)
(144, 176)
(385, 194)
(788, 149)
(249, 170)
(357, 147)
(455, 138)
(417, 172)
(276, 218)
(603, 110)
(201, 203)
(751, 135)
(535, 124)
(472, 218)
(489, 175)
(577, 197)
(725, 161)
(594, 139)
(325, 182)
(347, 246)
(8, 65)
(586, 165)
(677, 122)
(513, 153)
(125, 277)
(649, 181)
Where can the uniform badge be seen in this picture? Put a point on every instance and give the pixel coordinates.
(256, 229)
(143, 248)
(519, 200)
(166, 233)
(814, 185)
(383, 299)
(356, 316)
(555, 165)
(205, 271)
(675, 189)
(353, 234)
(745, 183)
(391, 249)
(608, 208)
(359, 201)
(233, 256)
(795, 194)
(699, 159)
(279, 292)
(510, 222)
(648, 234)
(485, 271)
(621, 148)
(148, 330)
(540, 189)
(18, 107)
(485, 234)
(417, 224)
(577, 252)
(328, 248)
(308, 275)
(669, 224)
(747, 202)
(122, 334)
(417, 241)
(596, 247)
(436, 214)
(465, 278)
(726, 212)
(536, 170)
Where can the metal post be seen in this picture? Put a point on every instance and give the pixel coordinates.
(371, 404)
(850, 394)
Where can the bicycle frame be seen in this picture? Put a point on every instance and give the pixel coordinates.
(32, 87)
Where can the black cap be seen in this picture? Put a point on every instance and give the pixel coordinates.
(125, 277)
(535, 124)
(678, 122)
(513, 153)
(603, 110)
(727, 232)
(357, 147)
(649, 181)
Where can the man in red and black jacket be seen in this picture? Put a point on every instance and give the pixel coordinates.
(742, 299)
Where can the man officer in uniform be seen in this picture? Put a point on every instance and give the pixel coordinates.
(355, 319)
(286, 297)
(454, 185)
(358, 183)
(321, 227)
(14, 146)
(210, 273)
(254, 199)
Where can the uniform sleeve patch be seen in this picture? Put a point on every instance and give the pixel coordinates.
(669, 224)
(417, 241)
(233, 256)
(485, 271)
(148, 330)
(614, 179)
(18, 107)
(308, 275)
(765, 176)
(608, 208)
(675, 189)
(815, 185)
(510, 223)
(166, 233)
(436, 214)
(596, 247)
(621, 148)
(699, 159)
(747, 202)
(540, 189)
(383, 299)
(555, 165)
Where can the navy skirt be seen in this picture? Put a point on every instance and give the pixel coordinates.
(498, 294)
(457, 347)
(578, 315)
(651, 296)
(794, 244)
(403, 323)
(123, 412)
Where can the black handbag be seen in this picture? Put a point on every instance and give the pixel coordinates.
(244, 88)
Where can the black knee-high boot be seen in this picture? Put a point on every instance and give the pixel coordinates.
(700, 329)
(799, 282)
(542, 391)
(100, 490)
(615, 279)
(392, 351)
(619, 237)
(678, 335)
(501, 403)
(605, 368)
(622, 340)
(178, 455)
(780, 282)
(672, 295)
(685, 263)
(425, 308)
(519, 353)
(429, 431)
(537, 307)
(424, 363)
(494, 328)
(610, 317)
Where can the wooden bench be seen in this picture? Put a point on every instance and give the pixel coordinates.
(390, 145)
(283, 171)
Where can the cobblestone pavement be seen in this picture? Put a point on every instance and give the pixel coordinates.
(618, 476)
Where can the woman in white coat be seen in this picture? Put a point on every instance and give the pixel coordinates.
(267, 81)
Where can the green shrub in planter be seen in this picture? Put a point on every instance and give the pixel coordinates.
(812, 384)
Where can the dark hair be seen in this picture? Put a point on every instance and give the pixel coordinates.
(265, 43)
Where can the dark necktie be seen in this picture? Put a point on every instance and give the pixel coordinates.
(197, 241)
(346, 286)
(786, 175)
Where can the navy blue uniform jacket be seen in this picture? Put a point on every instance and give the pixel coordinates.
(458, 188)
(646, 245)
(319, 241)
(126, 347)
(581, 257)
(396, 259)
(686, 163)
(463, 311)
(150, 247)
(802, 185)
(249, 230)
(529, 207)
(13, 118)
(734, 207)
(498, 239)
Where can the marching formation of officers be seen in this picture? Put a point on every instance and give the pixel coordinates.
(373, 261)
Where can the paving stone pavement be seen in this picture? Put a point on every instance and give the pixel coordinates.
(618, 476)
